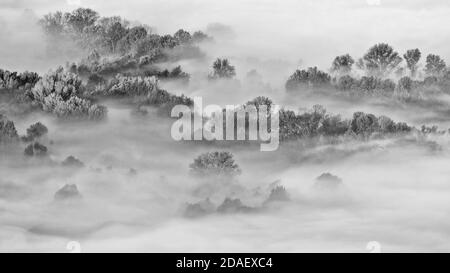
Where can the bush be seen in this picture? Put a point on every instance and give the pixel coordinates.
(215, 163)
(232, 206)
(327, 181)
(71, 161)
(278, 194)
(36, 149)
(199, 209)
(68, 192)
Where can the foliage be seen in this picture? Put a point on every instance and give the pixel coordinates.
(14, 80)
(132, 86)
(412, 58)
(261, 100)
(72, 162)
(278, 194)
(230, 205)
(215, 163)
(60, 93)
(317, 122)
(342, 65)
(8, 132)
(36, 149)
(35, 131)
(222, 69)
(328, 181)
(380, 60)
(312, 77)
(435, 65)
(68, 192)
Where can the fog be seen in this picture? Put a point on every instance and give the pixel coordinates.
(136, 181)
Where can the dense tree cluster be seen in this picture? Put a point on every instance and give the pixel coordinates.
(175, 74)
(114, 35)
(312, 77)
(131, 86)
(318, 123)
(15, 80)
(215, 163)
(60, 92)
(384, 74)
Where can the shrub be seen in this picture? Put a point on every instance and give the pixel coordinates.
(68, 192)
(328, 181)
(71, 161)
(36, 149)
(278, 194)
(232, 206)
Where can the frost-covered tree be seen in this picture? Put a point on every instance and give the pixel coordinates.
(14, 80)
(59, 92)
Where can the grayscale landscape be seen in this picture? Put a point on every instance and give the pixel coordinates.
(86, 151)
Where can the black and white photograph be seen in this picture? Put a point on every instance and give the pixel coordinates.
(224, 126)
